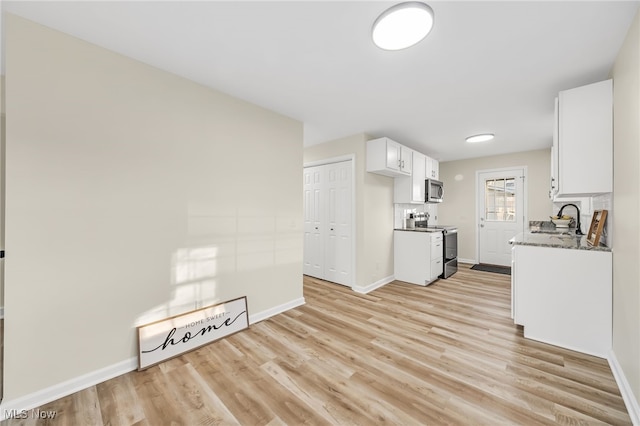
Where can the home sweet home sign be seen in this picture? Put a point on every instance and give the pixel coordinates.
(170, 337)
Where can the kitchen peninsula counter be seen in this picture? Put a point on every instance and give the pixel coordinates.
(556, 240)
(562, 297)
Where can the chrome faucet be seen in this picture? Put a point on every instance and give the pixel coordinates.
(578, 230)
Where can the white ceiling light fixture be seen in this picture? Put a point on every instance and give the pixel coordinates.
(484, 137)
(402, 25)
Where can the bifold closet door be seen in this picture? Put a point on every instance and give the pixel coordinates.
(328, 216)
(337, 253)
(313, 244)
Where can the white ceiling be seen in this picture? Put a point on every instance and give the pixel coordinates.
(486, 66)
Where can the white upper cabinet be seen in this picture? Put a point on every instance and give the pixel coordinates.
(582, 154)
(388, 157)
(433, 168)
(553, 189)
(410, 189)
(406, 159)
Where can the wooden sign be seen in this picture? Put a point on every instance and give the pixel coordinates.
(170, 337)
(597, 225)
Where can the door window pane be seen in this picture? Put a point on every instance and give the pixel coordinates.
(500, 200)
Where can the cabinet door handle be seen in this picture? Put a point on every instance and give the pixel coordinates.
(332, 229)
(316, 227)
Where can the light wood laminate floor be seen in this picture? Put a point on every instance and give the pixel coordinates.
(403, 354)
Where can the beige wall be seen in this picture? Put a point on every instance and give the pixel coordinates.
(626, 207)
(460, 206)
(133, 194)
(374, 209)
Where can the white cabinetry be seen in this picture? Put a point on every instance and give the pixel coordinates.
(437, 252)
(417, 256)
(553, 190)
(389, 158)
(582, 152)
(410, 189)
(564, 297)
(513, 285)
(328, 222)
(433, 169)
(406, 159)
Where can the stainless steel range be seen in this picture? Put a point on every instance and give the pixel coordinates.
(450, 250)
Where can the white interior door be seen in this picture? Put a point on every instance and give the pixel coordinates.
(502, 215)
(313, 244)
(328, 227)
(338, 246)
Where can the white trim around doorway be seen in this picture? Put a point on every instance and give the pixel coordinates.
(354, 231)
(525, 189)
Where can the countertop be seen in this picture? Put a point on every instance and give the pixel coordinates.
(556, 240)
(419, 229)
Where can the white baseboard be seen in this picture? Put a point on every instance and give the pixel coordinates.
(52, 393)
(373, 286)
(63, 389)
(630, 401)
(471, 261)
(261, 316)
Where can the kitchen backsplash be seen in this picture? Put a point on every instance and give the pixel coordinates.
(401, 212)
(587, 206)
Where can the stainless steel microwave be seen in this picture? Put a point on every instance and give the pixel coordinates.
(434, 191)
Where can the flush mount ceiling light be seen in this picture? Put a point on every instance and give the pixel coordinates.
(402, 25)
(480, 138)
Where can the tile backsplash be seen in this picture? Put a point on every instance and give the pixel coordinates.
(587, 206)
(401, 212)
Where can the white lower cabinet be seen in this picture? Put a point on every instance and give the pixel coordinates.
(437, 263)
(564, 297)
(417, 256)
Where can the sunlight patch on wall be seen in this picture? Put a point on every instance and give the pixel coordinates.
(193, 281)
